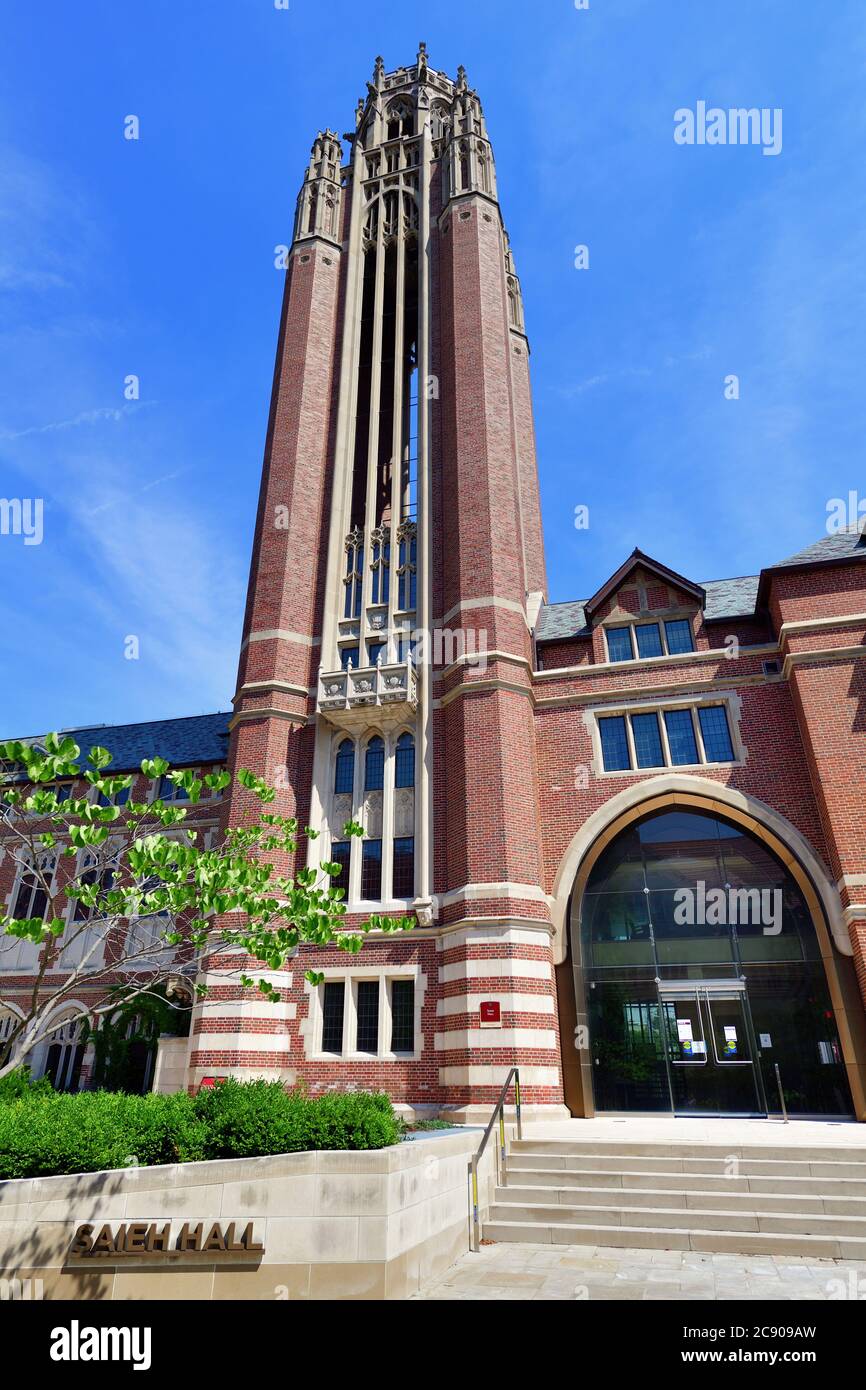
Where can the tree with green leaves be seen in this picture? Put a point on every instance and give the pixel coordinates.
(126, 898)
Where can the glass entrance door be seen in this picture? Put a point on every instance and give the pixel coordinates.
(709, 1050)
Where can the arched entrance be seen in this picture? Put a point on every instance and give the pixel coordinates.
(699, 958)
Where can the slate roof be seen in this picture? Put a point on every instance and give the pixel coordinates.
(731, 598)
(842, 545)
(187, 742)
(726, 598)
(559, 621)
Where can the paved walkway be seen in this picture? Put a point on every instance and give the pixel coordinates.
(603, 1272)
(668, 1129)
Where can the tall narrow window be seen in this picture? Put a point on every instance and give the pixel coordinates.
(407, 567)
(354, 576)
(344, 772)
(333, 1011)
(374, 765)
(31, 900)
(716, 734)
(404, 866)
(681, 736)
(367, 1004)
(401, 121)
(91, 875)
(404, 762)
(350, 656)
(371, 870)
(341, 853)
(647, 740)
(614, 744)
(65, 1056)
(402, 1015)
(380, 564)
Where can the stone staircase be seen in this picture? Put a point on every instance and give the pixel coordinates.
(749, 1199)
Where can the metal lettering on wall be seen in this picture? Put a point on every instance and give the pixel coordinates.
(147, 1238)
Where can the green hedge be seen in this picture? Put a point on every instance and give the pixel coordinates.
(93, 1130)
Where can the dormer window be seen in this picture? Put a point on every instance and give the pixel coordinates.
(639, 641)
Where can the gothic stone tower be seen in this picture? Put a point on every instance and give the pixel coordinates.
(386, 660)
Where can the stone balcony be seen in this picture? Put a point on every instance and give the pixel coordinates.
(348, 698)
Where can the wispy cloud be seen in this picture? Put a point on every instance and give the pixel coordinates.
(84, 417)
(620, 374)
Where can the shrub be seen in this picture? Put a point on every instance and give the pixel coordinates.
(89, 1131)
(260, 1117)
(18, 1085)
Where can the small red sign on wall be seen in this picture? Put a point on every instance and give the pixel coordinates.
(491, 1016)
(208, 1081)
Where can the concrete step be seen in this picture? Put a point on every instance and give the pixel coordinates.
(615, 1148)
(643, 1163)
(523, 1170)
(822, 1247)
(680, 1218)
(526, 1192)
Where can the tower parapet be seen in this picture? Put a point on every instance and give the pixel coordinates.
(317, 212)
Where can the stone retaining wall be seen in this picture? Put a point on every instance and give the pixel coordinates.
(333, 1225)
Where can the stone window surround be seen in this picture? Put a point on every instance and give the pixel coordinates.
(26, 968)
(89, 793)
(651, 618)
(331, 830)
(731, 701)
(158, 961)
(311, 1027)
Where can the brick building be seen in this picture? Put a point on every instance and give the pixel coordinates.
(630, 828)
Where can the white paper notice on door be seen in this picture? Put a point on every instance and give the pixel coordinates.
(684, 1029)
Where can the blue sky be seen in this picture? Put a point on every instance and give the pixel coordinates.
(155, 257)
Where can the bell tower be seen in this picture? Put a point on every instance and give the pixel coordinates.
(397, 569)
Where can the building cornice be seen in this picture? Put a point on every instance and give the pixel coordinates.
(819, 624)
(256, 687)
(268, 712)
(279, 634)
(821, 656)
(638, 663)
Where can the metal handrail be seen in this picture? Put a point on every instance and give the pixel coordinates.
(498, 1110)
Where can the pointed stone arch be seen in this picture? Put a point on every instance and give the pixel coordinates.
(688, 792)
(698, 793)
